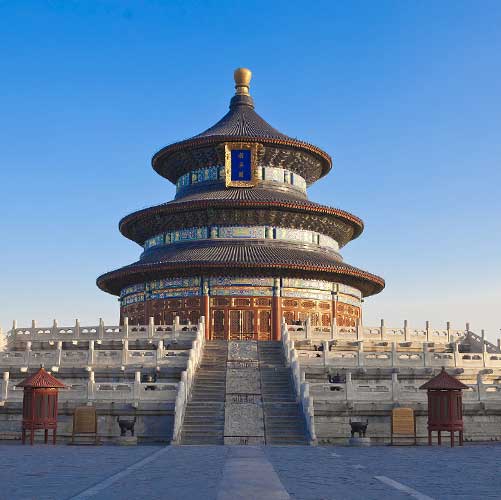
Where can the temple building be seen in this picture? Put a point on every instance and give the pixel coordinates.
(241, 244)
(241, 254)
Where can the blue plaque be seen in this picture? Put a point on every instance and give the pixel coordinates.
(241, 165)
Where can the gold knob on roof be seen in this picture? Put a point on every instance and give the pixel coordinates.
(242, 78)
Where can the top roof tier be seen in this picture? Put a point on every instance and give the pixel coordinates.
(242, 124)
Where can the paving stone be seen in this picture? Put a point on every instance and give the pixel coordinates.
(205, 472)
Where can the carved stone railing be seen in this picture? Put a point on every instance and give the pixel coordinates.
(395, 356)
(93, 358)
(92, 391)
(392, 391)
(101, 331)
(301, 387)
(187, 379)
(383, 333)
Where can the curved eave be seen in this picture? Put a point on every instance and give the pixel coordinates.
(127, 222)
(232, 259)
(161, 156)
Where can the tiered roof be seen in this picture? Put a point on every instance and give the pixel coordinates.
(268, 204)
(241, 123)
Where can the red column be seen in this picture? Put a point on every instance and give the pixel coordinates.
(276, 312)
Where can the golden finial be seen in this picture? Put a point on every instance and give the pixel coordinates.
(242, 78)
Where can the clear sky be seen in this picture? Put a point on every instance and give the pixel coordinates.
(405, 96)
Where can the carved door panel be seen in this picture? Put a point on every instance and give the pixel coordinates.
(241, 324)
(264, 325)
(218, 324)
(235, 324)
(289, 317)
(247, 332)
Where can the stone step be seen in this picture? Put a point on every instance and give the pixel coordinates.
(209, 387)
(272, 419)
(197, 429)
(279, 429)
(212, 381)
(191, 418)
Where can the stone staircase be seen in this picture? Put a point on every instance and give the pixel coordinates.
(204, 417)
(204, 420)
(283, 419)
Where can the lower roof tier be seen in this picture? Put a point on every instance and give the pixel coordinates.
(241, 258)
(242, 206)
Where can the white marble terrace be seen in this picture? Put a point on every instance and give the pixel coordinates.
(46, 346)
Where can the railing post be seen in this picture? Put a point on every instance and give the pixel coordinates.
(59, 352)
(91, 353)
(54, 328)
(77, 328)
(427, 331)
(394, 359)
(395, 386)
(456, 353)
(151, 326)
(383, 330)
(360, 354)
(480, 387)
(333, 328)
(91, 387)
(448, 331)
(27, 353)
(125, 351)
(350, 393)
(360, 331)
(406, 331)
(160, 351)
(137, 388)
(5, 386)
(176, 323)
(126, 327)
(325, 344)
(100, 334)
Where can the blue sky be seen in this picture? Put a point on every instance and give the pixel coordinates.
(405, 96)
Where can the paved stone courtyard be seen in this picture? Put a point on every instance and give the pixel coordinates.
(233, 472)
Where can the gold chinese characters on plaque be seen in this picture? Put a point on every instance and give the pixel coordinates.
(241, 164)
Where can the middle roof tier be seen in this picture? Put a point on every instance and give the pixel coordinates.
(242, 206)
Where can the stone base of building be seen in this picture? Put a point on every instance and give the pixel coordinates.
(153, 425)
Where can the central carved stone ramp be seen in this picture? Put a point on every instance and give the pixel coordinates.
(204, 417)
(283, 419)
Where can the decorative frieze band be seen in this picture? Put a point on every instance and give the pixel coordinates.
(217, 172)
(239, 286)
(242, 232)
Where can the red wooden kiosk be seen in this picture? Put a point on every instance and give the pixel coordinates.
(40, 404)
(445, 406)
